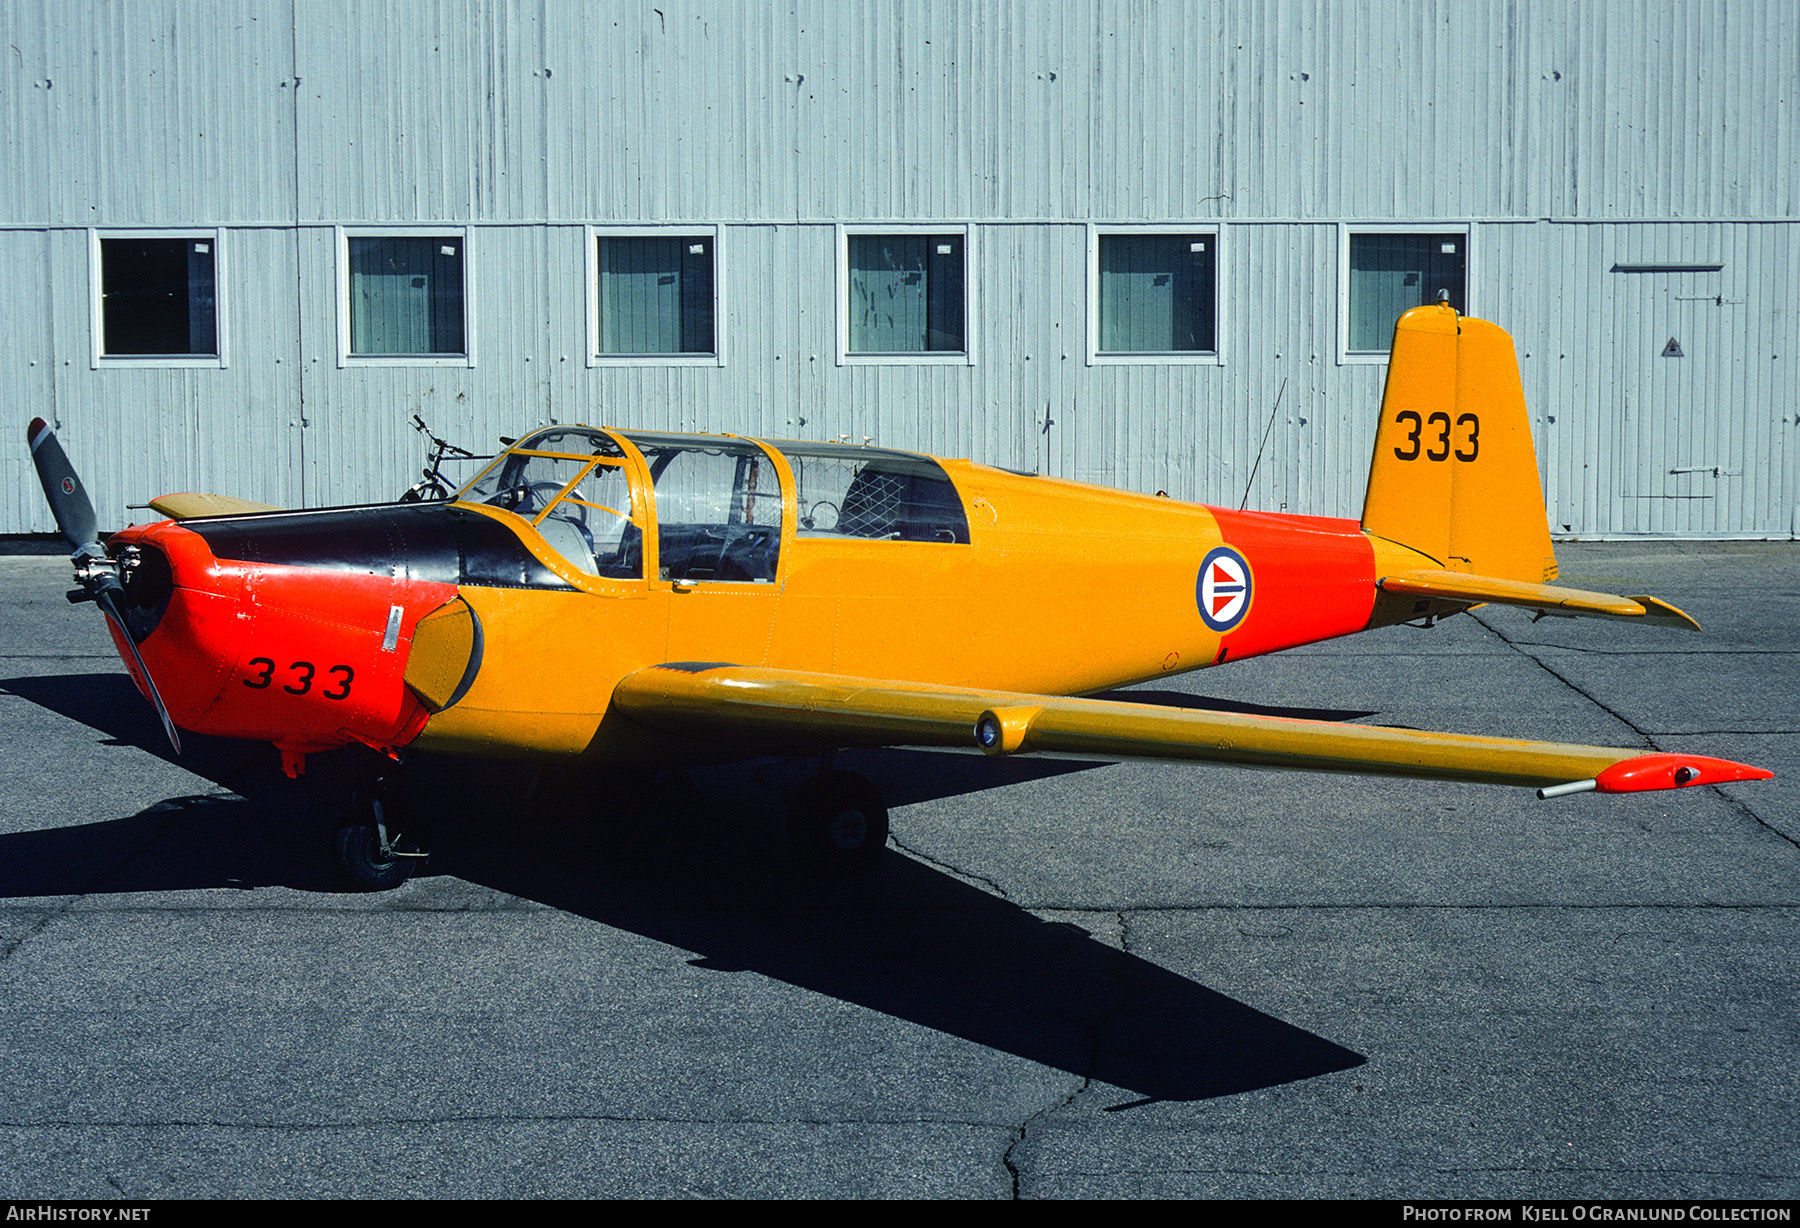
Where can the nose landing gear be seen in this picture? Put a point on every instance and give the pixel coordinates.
(374, 850)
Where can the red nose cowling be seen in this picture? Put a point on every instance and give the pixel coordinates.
(309, 658)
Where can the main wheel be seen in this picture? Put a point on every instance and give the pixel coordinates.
(838, 824)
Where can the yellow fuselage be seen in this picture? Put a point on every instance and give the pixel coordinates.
(1062, 588)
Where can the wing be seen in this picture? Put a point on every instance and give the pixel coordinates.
(761, 706)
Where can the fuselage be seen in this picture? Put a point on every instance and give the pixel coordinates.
(500, 623)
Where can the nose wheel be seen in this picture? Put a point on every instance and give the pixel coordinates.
(374, 850)
(838, 824)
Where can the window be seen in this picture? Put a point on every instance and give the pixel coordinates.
(1391, 272)
(156, 297)
(873, 493)
(906, 296)
(718, 508)
(1154, 295)
(655, 296)
(405, 297)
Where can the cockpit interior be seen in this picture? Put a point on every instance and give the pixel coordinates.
(715, 503)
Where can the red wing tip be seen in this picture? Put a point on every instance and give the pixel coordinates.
(31, 432)
(1645, 772)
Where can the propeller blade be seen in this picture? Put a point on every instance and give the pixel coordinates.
(74, 513)
(106, 596)
(68, 498)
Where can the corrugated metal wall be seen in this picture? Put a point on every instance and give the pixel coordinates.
(1572, 138)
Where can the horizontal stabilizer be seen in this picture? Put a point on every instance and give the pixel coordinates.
(191, 504)
(777, 707)
(1562, 602)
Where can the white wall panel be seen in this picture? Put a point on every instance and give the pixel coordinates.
(147, 114)
(136, 430)
(186, 110)
(1572, 138)
(28, 358)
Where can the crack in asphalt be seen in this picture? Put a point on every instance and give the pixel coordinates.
(1649, 738)
(1744, 809)
(1018, 1134)
(955, 872)
(1624, 720)
(1740, 733)
(1650, 652)
(1082, 1083)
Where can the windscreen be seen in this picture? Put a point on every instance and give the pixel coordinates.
(570, 485)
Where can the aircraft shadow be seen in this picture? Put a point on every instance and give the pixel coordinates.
(698, 863)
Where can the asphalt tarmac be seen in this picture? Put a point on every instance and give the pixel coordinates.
(1066, 979)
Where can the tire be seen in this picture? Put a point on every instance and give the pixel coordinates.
(838, 824)
(426, 492)
(359, 851)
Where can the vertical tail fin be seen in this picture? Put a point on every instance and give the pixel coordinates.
(1455, 474)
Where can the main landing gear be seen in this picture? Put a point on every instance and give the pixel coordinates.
(838, 824)
(375, 850)
(837, 828)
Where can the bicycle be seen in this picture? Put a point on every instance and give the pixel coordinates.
(432, 487)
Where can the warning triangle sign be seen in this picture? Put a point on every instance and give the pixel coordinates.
(1673, 349)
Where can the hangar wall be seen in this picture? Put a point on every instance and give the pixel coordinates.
(1583, 149)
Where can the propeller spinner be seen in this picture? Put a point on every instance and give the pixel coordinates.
(97, 574)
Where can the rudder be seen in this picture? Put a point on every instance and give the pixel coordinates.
(1454, 475)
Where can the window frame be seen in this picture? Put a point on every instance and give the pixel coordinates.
(346, 358)
(965, 357)
(662, 230)
(98, 358)
(1097, 357)
(1347, 357)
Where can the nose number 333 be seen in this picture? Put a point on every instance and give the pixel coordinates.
(262, 673)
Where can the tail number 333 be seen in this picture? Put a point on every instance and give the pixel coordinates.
(1430, 436)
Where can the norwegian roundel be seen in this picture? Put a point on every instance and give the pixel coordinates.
(1224, 589)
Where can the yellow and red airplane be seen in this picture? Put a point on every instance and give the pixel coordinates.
(602, 596)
